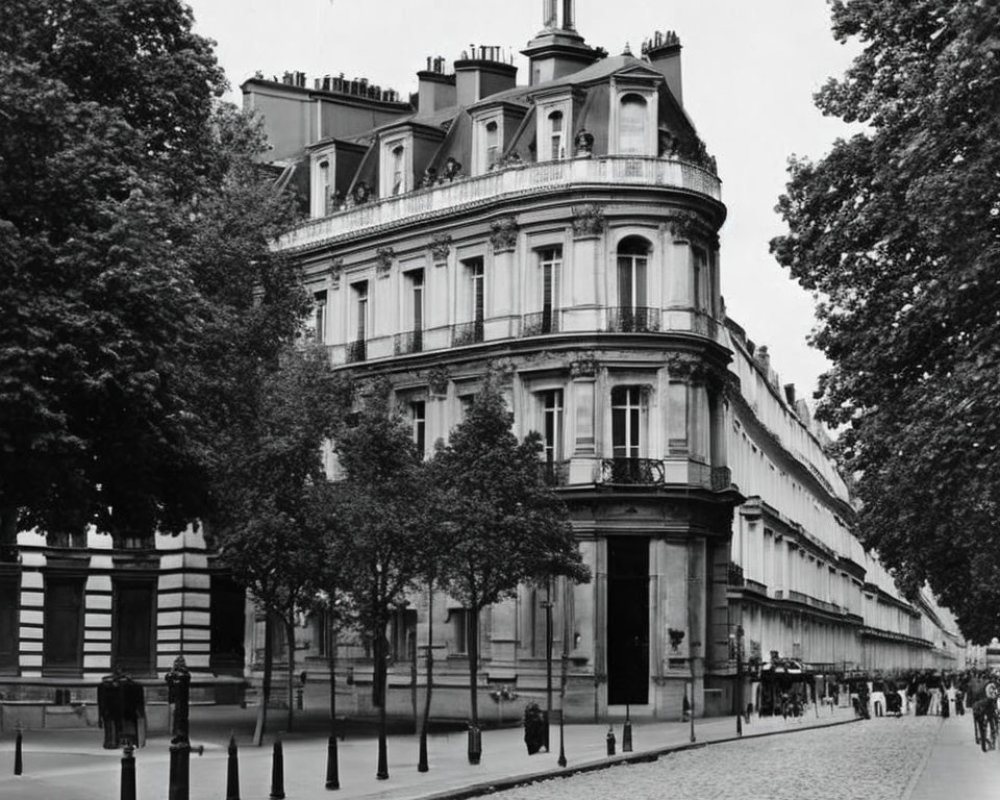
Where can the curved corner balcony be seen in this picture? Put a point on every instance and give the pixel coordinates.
(445, 199)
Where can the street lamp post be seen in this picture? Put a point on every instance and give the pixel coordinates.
(562, 707)
(739, 680)
(548, 660)
(332, 765)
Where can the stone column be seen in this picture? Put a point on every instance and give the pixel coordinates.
(586, 294)
(583, 374)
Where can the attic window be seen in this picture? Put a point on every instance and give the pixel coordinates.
(397, 170)
(556, 135)
(492, 144)
(632, 136)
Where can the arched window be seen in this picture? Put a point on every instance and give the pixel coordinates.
(555, 135)
(633, 258)
(632, 126)
(492, 144)
(397, 169)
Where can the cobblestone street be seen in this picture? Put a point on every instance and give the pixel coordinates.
(877, 760)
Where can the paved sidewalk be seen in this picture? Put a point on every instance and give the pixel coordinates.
(72, 765)
(956, 766)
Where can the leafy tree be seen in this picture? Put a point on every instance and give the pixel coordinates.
(134, 225)
(506, 525)
(897, 232)
(379, 528)
(266, 523)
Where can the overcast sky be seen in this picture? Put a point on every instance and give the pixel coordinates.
(749, 72)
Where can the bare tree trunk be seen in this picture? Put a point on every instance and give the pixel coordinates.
(422, 765)
(265, 689)
(290, 637)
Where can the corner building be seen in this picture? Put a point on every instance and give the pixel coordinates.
(565, 234)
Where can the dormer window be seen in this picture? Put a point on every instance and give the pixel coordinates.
(397, 170)
(492, 144)
(322, 178)
(396, 167)
(633, 123)
(555, 135)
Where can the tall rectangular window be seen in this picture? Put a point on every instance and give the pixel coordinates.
(626, 421)
(701, 280)
(9, 624)
(550, 263)
(418, 417)
(555, 135)
(552, 427)
(319, 316)
(361, 310)
(631, 279)
(397, 170)
(478, 286)
(492, 144)
(461, 622)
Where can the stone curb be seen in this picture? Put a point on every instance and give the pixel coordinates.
(644, 757)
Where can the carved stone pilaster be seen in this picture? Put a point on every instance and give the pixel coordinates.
(686, 367)
(588, 221)
(335, 270)
(503, 234)
(383, 261)
(440, 248)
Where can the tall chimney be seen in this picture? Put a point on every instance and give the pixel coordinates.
(664, 54)
(476, 78)
(435, 90)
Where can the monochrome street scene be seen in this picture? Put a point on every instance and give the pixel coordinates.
(544, 399)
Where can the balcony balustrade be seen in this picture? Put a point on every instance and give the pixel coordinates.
(632, 471)
(704, 325)
(496, 187)
(409, 342)
(356, 351)
(540, 323)
(734, 575)
(467, 333)
(633, 319)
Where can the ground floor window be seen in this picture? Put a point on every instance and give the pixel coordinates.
(133, 626)
(9, 603)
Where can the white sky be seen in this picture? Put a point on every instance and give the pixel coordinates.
(749, 72)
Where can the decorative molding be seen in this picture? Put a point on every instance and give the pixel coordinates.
(383, 261)
(437, 380)
(504, 234)
(335, 270)
(588, 221)
(584, 367)
(685, 366)
(687, 226)
(440, 247)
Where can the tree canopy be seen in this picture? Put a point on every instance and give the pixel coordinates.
(897, 232)
(134, 228)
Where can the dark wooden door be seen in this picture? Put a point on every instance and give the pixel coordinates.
(132, 631)
(628, 620)
(62, 647)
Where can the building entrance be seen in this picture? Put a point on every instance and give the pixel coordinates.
(628, 621)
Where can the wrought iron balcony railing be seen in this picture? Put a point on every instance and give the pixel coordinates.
(632, 471)
(356, 351)
(703, 324)
(540, 323)
(633, 319)
(467, 333)
(409, 342)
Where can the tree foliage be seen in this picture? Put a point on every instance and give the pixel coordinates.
(134, 226)
(897, 232)
(505, 526)
(266, 523)
(381, 527)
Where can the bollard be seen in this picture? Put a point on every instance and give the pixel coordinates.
(611, 741)
(627, 731)
(332, 764)
(277, 772)
(18, 760)
(233, 772)
(475, 749)
(128, 773)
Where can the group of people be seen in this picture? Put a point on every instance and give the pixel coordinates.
(927, 693)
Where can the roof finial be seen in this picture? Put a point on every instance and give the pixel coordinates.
(627, 51)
